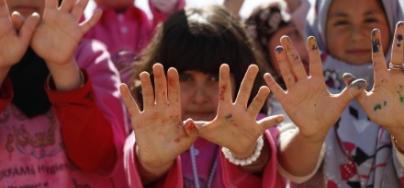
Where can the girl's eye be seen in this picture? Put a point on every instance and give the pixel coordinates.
(371, 20)
(184, 77)
(213, 78)
(341, 23)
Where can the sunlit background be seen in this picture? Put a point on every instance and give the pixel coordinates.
(245, 10)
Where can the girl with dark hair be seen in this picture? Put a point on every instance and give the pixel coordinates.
(190, 132)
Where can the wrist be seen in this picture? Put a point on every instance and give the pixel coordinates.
(242, 160)
(152, 170)
(66, 76)
(317, 137)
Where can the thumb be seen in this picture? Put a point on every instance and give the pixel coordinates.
(28, 27)
(17, 20)
(348, 78)
(271, 121)
(190, 128)
(353, 90)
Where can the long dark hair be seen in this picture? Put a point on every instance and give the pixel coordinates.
(201, 39)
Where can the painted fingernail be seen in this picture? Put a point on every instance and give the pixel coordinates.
(359, 84)
(278, 49)
(313, 43)
(375, 40)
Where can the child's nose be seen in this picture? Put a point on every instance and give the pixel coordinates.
(200, 95)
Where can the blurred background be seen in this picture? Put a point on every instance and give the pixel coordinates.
(245, 10)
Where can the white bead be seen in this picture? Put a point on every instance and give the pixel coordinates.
(244, 162)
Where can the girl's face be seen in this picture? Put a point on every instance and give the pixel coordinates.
(199, 95)
(115, 4)
(26, 7)
(298, 42)
(348, 27)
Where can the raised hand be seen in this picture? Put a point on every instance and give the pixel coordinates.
(307, 100)
(235, 126)
(385, 102)
(15, 35)
(59, 33)
(160, 133)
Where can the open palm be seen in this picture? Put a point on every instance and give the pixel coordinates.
(15, 41)
(235, 125)
(59, 33)
(386, 100)
(307, 100)
(160, 133)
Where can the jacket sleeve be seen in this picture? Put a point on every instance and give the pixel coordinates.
(6, 94)
(173, 178)
(92, 117)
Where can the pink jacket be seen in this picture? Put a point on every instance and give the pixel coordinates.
(227, 174)
(34, 151)
(126, 34)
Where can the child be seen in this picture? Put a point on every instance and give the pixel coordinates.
(359, 144)
(267, 23)
(61, 120)
(168, 152)
(126, 30)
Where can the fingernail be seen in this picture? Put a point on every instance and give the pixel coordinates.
(313, 43)
(375, 45)
(348, 75)
(278, 49)
(359, 84)
(279, 119)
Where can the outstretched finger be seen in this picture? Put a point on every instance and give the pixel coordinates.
(271, 121)
(190, 128)
(246, 86)
(17, 19)
(224, 84)
(128, 100)
(160, 83)
(397, 56)
(51, 4)
(88, 24)
(294, 58)
(274, 86)
(147, 91)
(316, 68)
(67, 5)
(174, 91)
(27, 29)
(379, 64)
(284, 67)
(353, 90)
(259, 101)
(78, 9)
(4, 11)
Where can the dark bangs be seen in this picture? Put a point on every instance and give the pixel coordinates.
(192, 44)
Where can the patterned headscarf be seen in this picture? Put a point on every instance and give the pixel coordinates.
(263, 23)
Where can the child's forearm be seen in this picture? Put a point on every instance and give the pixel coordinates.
(291, 158)
(66, 76)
